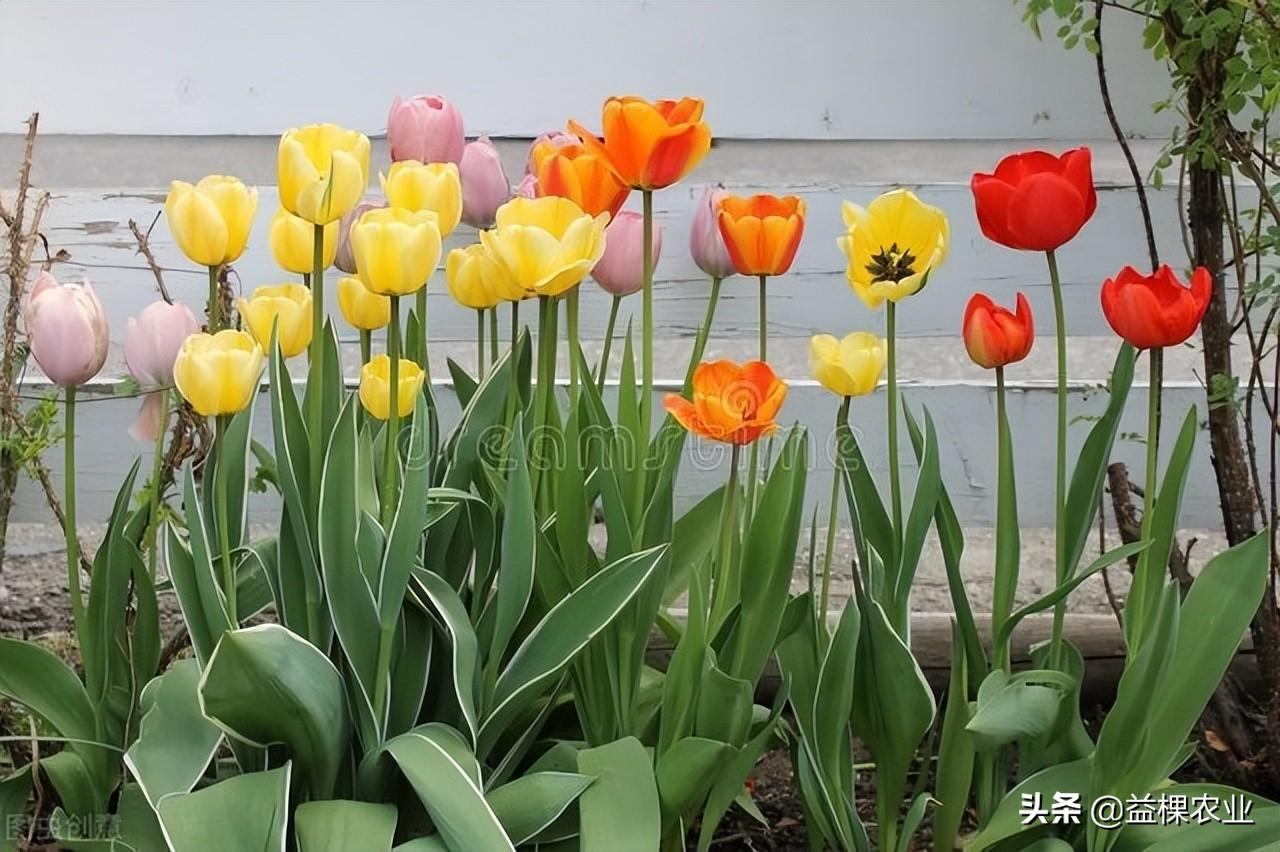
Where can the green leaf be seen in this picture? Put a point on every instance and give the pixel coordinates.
(685, 774)
(694, 535)
(620, 811)
(1007, 821)
(534, 801)
(404, 539)
(1016, 707)
(175, 741)
(39, 680)
(1258, 835)
(15, 790)
(916, 529)
(198, 588)
(244, 813)
(451, 618)
(871, 522)
(339, 826)
(519, 528)
(955, 752)
(724, 706)
(464, 386)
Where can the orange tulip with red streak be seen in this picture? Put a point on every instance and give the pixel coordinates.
(762, 232)
(733, 403)
(570, 171)
(649, 145)
(995, 336)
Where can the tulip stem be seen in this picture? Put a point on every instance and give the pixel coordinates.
(842, 417)
(895, 479)
(69, 510)
(764, 319)
(571, 318)
(315, 398)
(753, 466)
(393, 416)
(646, 398)
(215, 302)
(704, 332)
(1002, 602)
(366, 346)
(1156, 357)
(603, 371)
(493, 336)
(422, 331)
(1060, 495)
(721, 604)
(220, 506)
(157, 470)
(480, 344)
(515, 323)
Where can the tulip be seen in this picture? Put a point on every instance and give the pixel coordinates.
(705, 242)
(995, 336)
(411, 185)
(555, 139)
(293, 239)
(621, 267)
(1034, 200)
(396, 250)
(67, 330)
(375, 387)
(547, 244)
(526, 188)
(362, 309)
(892, 246)
(323, 171)
(732, 403)
(345, 258)
(649, 145)
(151, 344)
(287, 308)
(218, 373)
(850, 366)
(761, 233)
(562, 166)
(478, 280)
(1157, 310)
(210, 221)
(427, 128)
(484, 183)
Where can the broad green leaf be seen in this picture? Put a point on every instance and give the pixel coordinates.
(833, 700)
(1016, 707)
(692, 539)
(872, 527)
(924, 502)
(338, 825)
(620, 811)
(15, 790)
(175, 741)
(518, 554)
(685, 774)
(1259, 835)
(195, 580)
(39, 680)
(404, 538)
(410, 670)
(955, 751)
(724, 706)
(464, 386)
(1007, 821)
(244, 813)
(534, 801)
(464, 655)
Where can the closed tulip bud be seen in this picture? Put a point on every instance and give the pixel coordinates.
(649, 145)
(620, 270)
(850, 366)
(547, 244)
(287, 307)
(360, 308)
(152, 341)
(484, 183)
(375, 386)
(67, 330)
(435, 187)
(527, 187)
(995, 336)
(478, 280)
(292, 241)
(427, 128)
(892, 246)
(345, 258)
(762, 232)
(1151, 311)
(732, 403)
(210, 221)
(218, 373)
(396, 250)
(323, 170)
(705, 243)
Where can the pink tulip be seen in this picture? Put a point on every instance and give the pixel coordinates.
(346, 259)
(621, 270)
(427, 128)
(151, 344)
(484, 183)
(527, 187)
(67, 329)
(705, 243)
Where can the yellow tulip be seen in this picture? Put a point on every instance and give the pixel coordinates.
(293, 240)
(434, 186)
(286, 305)
(218, 373)
(396, 250)
(477, 280)
(323, 169)
(362, 309)
(210, 221)
(375, 384)
(892, 246)
(850, 366)
(547, 244)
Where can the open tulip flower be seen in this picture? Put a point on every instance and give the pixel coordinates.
(292, 240)
(478, 280)
(762, 232)
(548, 244)
(323, 171)
(210, 221)
(649, 144)
(287, 307)
(375, 387)
(850, 366)
(485, 187)
(436, 187)
(1152, 311)
(892, 245)
(732, 403)
(67, 330)
(995, 336)
(396, 250)
(218, 373)
(561, 165)
(361, 308)
(1034, 200)
(427, 128)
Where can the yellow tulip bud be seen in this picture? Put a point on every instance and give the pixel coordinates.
(547, 244)
(293, 240)
(850, 366)
(218, 373)
(477, 280)
(375, 386)
(362, 309)
(288, 306)
(434, 186)
(396, 250)
(323, 169)
(210, 221)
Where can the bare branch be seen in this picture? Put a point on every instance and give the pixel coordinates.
(144, 249)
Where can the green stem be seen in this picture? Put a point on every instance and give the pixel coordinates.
(603, 370)
(366, 346)
(571, 316)
(1060, 493)
(69, 510)
(1156, 357)
(493, 336)
(895, 478)
(764, 319)
(515, 322)
(389, 465)
(646, 398)
(421, 308)
(842, 417)
(480, 344)
(722, 593)
(704, 332)
(753, 466)
(220, 506)
(215, 302)
(1002, 601)
(157, 470)
(315, 400)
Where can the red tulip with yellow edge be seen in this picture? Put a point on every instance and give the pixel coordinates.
(995, 336)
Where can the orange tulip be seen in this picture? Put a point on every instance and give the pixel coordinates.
(733, 403)
(569, 170)
(995, 336)
(649, 145)
(762, 232)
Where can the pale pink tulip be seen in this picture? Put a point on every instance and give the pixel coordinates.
(621, 270)
(346, 259)
(151, 344)
(705, 243)
(427, 128)
(484, 183)
(527, 187)
(67, 329)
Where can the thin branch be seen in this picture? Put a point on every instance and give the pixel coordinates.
(144, 249)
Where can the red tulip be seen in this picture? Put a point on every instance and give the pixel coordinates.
(1036, 201)
(994, 335)
(1155, 310)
